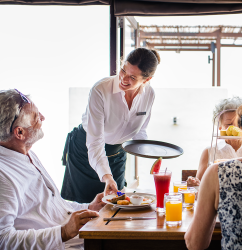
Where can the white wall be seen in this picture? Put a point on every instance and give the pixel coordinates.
(192, 106)
(44, 50)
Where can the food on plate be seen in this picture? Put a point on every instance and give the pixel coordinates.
(223, 132)
(117, 198)
(136, 199)
(233, 131)
(148, 200)
(123, 202)
(236, 131)
(229, 131)
(156, 166)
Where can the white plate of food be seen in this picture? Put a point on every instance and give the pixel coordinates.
(148, 200)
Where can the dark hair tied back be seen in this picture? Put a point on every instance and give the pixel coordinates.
(145, 59)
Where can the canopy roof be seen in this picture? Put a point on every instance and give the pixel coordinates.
(150, 8)
(193, 36)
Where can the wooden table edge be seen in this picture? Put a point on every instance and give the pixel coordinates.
(129, 235)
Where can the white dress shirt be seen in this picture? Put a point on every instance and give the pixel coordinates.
(223, 151)
(31, 208)
(108, 119)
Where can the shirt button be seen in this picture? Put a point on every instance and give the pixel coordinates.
(53, 194)
(69, 212)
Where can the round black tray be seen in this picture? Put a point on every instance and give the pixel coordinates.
(152, 149)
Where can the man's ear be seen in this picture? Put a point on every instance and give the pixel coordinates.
(19, 133)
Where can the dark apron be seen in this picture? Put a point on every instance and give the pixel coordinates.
(81, 183)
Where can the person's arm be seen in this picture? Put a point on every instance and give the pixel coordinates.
(203, 164)
(95, 205)
(10, 238)
(77, 206)
(199, 233)
(96, 143)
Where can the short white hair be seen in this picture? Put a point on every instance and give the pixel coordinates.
(225, 104)
(10, 101)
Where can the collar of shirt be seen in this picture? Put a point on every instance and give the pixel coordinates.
(116, 88)
(14, 154)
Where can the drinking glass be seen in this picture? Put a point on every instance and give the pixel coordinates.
(162, 185)
(179, 184)
(188, 197)
(173, 203)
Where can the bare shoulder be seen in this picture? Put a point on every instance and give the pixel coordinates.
(204, 153)
(211, 173)
(203, 164)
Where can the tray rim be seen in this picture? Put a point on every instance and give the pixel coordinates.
(130, 142)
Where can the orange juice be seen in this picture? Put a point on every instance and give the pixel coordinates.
(189, 198)
(173, 211)
(176, 186)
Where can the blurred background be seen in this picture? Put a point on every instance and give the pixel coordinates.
(58, 58)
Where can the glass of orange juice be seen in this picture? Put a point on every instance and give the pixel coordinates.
(173, 202)
(188, 197)
(179, 184)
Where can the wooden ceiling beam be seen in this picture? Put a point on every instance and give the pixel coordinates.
(146, 35)
(181, 49)
(178, 44)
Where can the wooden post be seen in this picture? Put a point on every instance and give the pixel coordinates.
(218, 44)
(137, 37)
(213, 76)
(122, 37)
(136, 170)
(113, 41)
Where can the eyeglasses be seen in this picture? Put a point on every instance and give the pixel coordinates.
(26, 100)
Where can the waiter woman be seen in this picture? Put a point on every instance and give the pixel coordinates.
(119, 109)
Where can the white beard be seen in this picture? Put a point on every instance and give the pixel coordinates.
(34, 136)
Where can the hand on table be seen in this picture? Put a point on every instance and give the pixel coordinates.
(78, 220)
(111, 185)
(97, 203)
(192, 181)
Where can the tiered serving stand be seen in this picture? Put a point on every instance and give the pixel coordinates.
(217, 136)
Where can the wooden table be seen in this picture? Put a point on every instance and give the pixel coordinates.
(138, 234)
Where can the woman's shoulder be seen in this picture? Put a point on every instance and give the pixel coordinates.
(149, 90)
(104, 85)
(104, 80)
(230, 166)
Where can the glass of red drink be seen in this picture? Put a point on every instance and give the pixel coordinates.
(162, 185)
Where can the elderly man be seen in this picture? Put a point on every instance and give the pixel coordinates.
(32, 213)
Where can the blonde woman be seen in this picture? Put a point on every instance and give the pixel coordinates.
(226, 149)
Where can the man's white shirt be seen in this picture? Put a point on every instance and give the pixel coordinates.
(108, 119)
(31, 208)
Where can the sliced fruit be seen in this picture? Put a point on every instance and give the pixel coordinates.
(229, 130)
(156, 166)
(235, 131)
